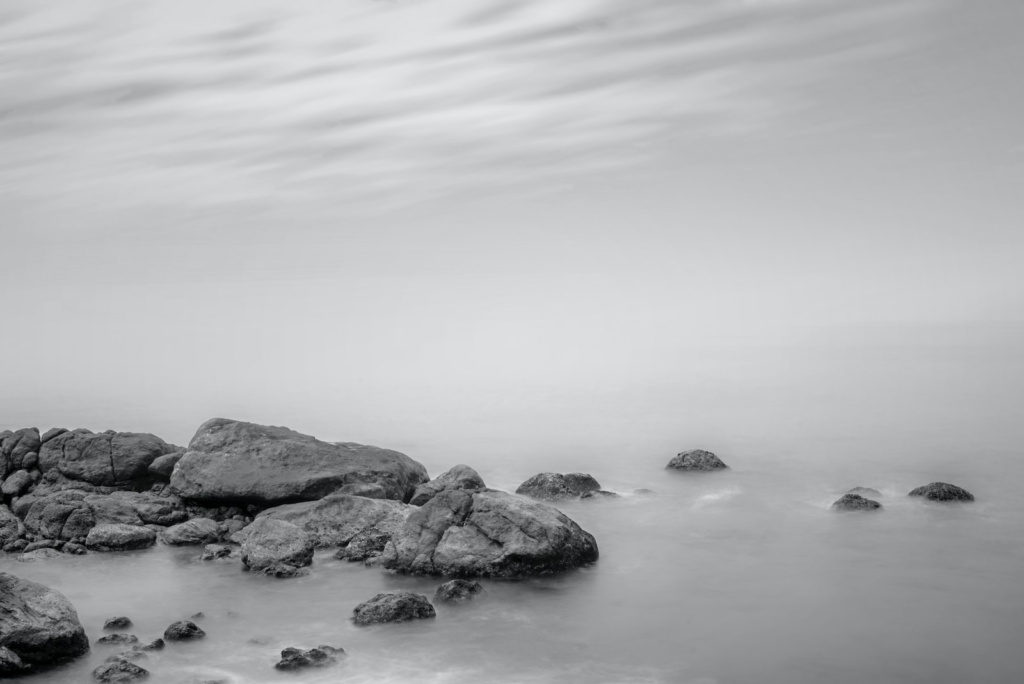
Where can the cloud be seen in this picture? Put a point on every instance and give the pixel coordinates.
(362, 101)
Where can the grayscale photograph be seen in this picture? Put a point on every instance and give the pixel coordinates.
(511, 341)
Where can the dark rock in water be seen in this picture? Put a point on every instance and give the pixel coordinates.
(119, 537)
(696, 459)
(232, 461)
(37, 623)
(556, 486)
(457, 590)
(19, 450)
(369, 543)
(215, 551)
(10, 527)
(855, 502)
(74, 549)
(108, 458)
(183, 630)
(16, 484)
(119, 638)
(297, 659)
(942, 491)
(10, 664)
(397, 607)
(370, 491)
(155, 645)
(195, 531)
(276, 547)
(865, 491)
(599, 494)
(487, 533)
(120, 670)
(119, 622)
(162, 466)
(335, 520)
(458, 477)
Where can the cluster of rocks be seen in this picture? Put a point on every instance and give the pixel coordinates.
(857, 499)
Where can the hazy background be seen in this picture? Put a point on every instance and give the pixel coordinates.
(517, 230)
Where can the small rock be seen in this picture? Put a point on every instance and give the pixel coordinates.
(183, 630)
(395, 607)
(15, 545)
(120, 622)
(643, 492)
(942, 491)
(367, 544)
(855, 502)
(42, 544)
(154, 645)
(696, 460)
(457, 590)
(74, 549)
(599, 493)
(215, 551)
(119, 537)
(119, 671)
(16, 484)
(297, 659)
(195, 531)
(118, 639)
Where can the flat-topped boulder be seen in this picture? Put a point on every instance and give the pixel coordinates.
(276, 547)
(696, 460)
(942, 491)
(855, 502)
(235, 462)
(38, 624)
(488, 533)
(336, 519)
(558, 486)
(111, 459)
(457, 477)
(192, 532)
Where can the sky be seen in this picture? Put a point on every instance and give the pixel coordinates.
(372, 220)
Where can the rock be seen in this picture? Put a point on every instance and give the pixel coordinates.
(74, 549)
(16, 484)
(232, 461)
(10, 664)
(154, 509)
(370, 491)
(297, 659)
(487, 533)
(108, 458)
(458, 477)
(457, 590)
(162, 466)
(51, 433)
(197, 616)
(120, 670)
(191, 532)
(215, 551)
(61, 515)
(119, 537)
(155, 645)
(43, 544)
(119, 622)
(131, 656)
(865, 491)
(37, 623)
(15, 546)
(367, 544)
(335, 520)
(855, 502)
(108, 509)
(10, 527)
(697, 459)
(942, 491)
(556, 486)
(38, 554)
(120, 638)
(599, 494)
(276, 547)
(396, 607)
(183, 630)
(19, 450)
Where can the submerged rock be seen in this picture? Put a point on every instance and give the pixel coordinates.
(366, 545)
(276, 547)
(183, 630)
(233, 461)
(599, 494)
(458, 477)
(457, 590)
(487, 533)
(855, 502)
(335, 520)
(190, 532)
(119, 537)
(556, 486)
(865, 491)
(120, 670)
(37, 623)
(399, 606)
(39, 554)
(696, 459)
(119, 638)
(297, 659)
(942, 491)
(119, 622)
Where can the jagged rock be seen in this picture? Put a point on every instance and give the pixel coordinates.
(37, 623)
(942, 491)
(487, 533)
(556, 486)
(19, 450)
(121, 670)
(108, 458)
(276, 547)
(191, 532)
(399, 606)
(232, 461)
(335, 520)
(10, 527)
(119, 537)
(855, 502)
(162, 466)
(458, 477)
(119, 638)
(457, 590)
(697, 459)
(215, 551)
(16, 484)
(183, 630)
(10, 664)
(599, 494)
(866, 492)
(369, 543)
(119, 622)
(297, 659)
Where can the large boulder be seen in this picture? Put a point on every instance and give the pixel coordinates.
(458, 477)
(162, 466)
(232, 461)
(276, 547)
(37, 623)
(487, 533)
(696, 459)
(119, 537)
(556, 486)
(191, 532)
(19, 450)
(942, 491)
(61, 515)
(400, 606)
(110, 458)
(855, 502)
(335, 520)
(16, 484)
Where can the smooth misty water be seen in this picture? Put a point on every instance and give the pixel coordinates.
(743, 576)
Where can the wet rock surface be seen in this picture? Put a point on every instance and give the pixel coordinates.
(335, 520)
(942, 491)
(855, 502)
(120, 670)
(399, 606)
